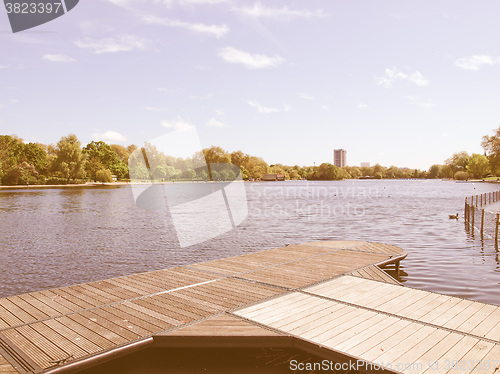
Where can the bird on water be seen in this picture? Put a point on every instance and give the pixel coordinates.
(453, 216)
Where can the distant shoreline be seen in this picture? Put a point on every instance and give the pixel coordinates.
(48, 186)
(120, 184)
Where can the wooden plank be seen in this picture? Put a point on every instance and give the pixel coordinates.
(116, 290)
(473, 321)
(222, 326)
(47, 310)
(341, 282)
(433, 355)
(102, 342)
(110, 325)
(475, 355)
(463, 316)
(39, 341)
(8, 319)
(488, 325)
(287, 313)
(78, 339)
(255, 309)
(411, 308)
(375, 341)
(354, 328)
(20, 313)
(408, 343)
(312, 311)
(76, 298)
(357, 288)
(134, 323)
(148, 313)
(440, 310)
(409, 358)
(56, 299)
(60, 340)
(336, 327)
(454, 353)
(276, 306)
(328, 329)
(40, 357)
(363, 336)
(426, 305)
(322, 317)
(6, 367)
(455, 310)
(392, 341)
(490, 362)
(98, 329)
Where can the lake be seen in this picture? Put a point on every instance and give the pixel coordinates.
(57, 237)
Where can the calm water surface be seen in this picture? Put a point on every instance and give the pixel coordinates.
(57, 237)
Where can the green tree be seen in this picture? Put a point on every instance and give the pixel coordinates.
(491, 146)
(35, 155)
(104, 176)
(479, 166)
(434, 171)
(461, 175)
(101, 156)
(458, 162)
(328, 171)
(70, 159)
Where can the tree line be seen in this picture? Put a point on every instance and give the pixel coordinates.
(68, 161)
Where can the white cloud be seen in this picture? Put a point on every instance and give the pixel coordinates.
(287, 107)
(109, 136)
(325, 107)
(250, 61)
(122, 43)
(284, 13)
(215, 30)
(220, 112)
(391, 75)
(58, 58)
(306, 96)
(1, 106)
(178, 124)
(4, 66)
(362, 106)
(476, 61)
(261, 108)
(215, 123)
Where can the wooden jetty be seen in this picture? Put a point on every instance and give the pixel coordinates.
(328, 298)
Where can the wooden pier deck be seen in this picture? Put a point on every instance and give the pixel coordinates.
(327, 297)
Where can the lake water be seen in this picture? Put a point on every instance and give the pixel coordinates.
(57, 237)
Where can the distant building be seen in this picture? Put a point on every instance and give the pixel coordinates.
(273, 177)
(339, 158)
(365, 164)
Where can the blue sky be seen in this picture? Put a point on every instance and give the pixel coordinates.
(403, 83)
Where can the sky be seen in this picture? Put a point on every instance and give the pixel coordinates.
(405, 83)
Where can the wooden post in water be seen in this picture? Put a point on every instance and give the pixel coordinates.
(482, 221)
(465, 210)
(473, 214)
(481, 199)
(496, 229)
